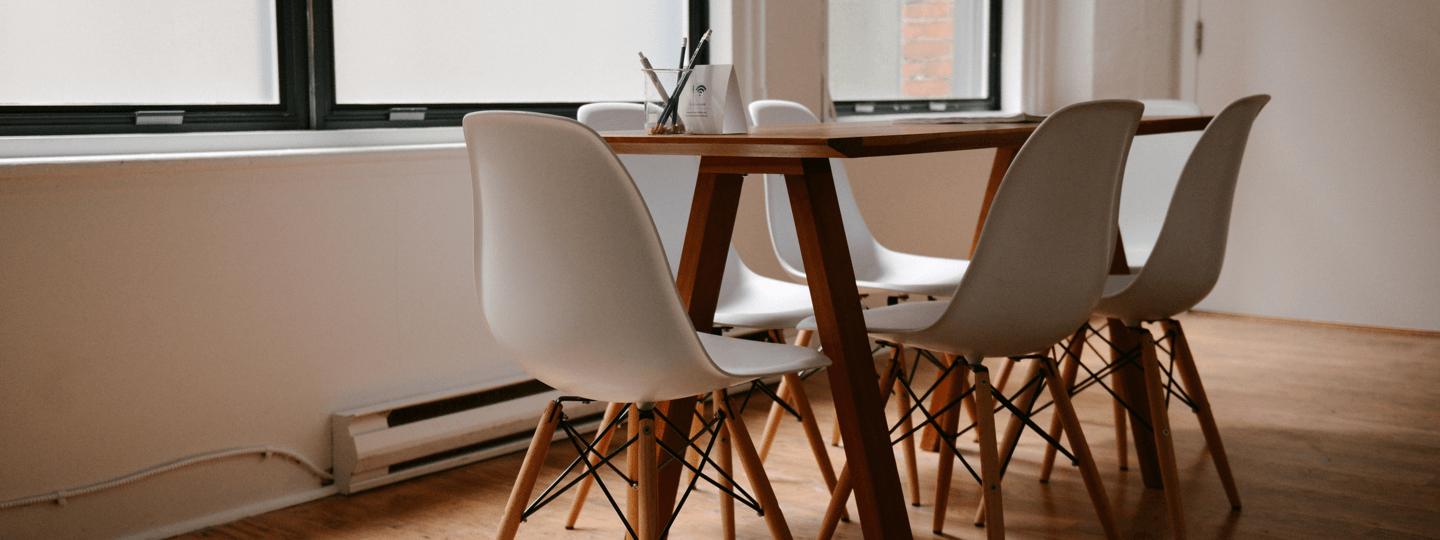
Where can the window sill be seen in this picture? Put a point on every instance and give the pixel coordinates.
(893, 117)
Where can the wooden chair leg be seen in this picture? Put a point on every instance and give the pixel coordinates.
(955, 384)
(841, 493)
(1065, 411)
(928, 439)
(989, 455)
(1004, 376)
(727, 503)
(1190, 377)
(838, 497)
(1164, 444)
(602, 445)
(1071, 366)
(648, 525)
(772, 422)
(907, 444)
(632, 465)
(750, 461)
(929, 436)
(1122, 434)
(812, 434)
(1016, 426)
(529, 470)
(972, 408)
(692, 456)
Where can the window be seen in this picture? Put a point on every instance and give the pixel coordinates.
(91, 66)
(911, 56)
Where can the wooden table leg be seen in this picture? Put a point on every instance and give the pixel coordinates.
(853, 381)
(702, 265)
(1132, 390)
(1003, 157)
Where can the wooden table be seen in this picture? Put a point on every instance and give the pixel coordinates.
(801, 154)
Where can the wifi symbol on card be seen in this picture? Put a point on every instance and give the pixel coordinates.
(700, 89)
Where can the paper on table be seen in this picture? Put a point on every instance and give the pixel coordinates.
(974, 117)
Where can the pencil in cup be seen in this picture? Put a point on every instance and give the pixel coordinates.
(658, 85)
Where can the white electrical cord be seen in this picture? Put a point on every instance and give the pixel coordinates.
(60, 497)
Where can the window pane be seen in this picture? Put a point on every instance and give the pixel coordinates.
(138, 52)
(908, 49)
(463, 51)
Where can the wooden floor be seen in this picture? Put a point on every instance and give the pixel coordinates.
(1332, 432)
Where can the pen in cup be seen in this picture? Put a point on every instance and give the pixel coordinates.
(659, 87)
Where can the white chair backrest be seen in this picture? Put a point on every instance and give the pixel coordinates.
(863, 246)
(1041, 262)
(571, 273)
(666, 182)
(1150, 176)
(1190, 250)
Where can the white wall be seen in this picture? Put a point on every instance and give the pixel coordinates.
(1337, 214)
(155, 308)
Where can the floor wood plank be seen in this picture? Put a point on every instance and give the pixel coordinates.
(1320, 449)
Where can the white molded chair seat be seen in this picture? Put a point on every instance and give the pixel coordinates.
(746, 360)
(876, 267)
(887, 322)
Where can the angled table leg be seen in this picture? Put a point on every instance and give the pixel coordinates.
(1130, 384)
(702, 264)
(853, 380)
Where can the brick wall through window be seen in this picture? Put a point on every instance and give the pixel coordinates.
(927, 48)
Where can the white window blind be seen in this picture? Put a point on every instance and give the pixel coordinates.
(138, 52)
(469, 51)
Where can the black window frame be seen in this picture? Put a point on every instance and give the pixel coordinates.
(290, 113)
(922, 105)
(306, 57)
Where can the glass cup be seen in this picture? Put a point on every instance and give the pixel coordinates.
(660, 85)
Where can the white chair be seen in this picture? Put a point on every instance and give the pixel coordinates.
(747, 299)
(1180, 271)
(1039, 268)
(876, 267)
(576, 287)
(1151, 172)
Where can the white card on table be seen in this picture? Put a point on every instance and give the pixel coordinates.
(710, 104)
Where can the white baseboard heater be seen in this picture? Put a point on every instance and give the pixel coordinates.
(382, 444)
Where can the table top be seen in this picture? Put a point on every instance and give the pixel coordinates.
(858, 139)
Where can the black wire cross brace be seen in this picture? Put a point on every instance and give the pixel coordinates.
(930, 418)
(1128, 357)
(586, 450)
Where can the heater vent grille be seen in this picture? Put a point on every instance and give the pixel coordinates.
(387, 443)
